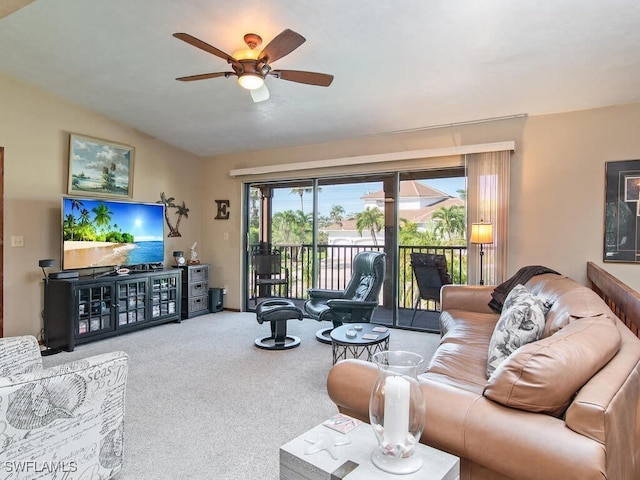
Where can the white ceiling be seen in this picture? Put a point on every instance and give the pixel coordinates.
(398, 64)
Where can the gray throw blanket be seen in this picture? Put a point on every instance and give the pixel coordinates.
(522, 276)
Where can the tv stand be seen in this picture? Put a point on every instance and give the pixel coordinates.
(83, 309)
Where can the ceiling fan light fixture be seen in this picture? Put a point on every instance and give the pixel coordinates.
(250, 81)
(252, 65)
(246, 54)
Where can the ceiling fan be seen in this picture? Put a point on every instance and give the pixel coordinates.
(252, 67)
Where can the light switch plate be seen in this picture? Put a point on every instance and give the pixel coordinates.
(17, 241)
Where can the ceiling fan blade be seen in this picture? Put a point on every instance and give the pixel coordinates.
(283, 44)
(205, 76)
(260, 94)
(310, 78)
(185, 37)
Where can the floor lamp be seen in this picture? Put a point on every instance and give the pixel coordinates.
(481, 234)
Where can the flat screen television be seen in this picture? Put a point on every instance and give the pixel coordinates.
(108, 233)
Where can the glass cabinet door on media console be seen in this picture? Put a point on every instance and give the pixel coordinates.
(94, 304)
(164, 296)
(131, 306)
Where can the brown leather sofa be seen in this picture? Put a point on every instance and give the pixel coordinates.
(564, 407)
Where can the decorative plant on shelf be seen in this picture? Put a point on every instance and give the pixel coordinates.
(181, 211)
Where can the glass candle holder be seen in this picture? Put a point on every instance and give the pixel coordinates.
(397, 412)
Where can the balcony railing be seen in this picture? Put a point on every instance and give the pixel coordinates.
(334, 268)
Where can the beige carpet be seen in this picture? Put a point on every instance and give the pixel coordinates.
(203, 402)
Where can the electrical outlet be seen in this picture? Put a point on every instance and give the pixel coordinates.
(224, 290)
(17, 241)
(226, 235)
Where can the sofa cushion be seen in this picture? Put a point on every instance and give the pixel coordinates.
(461, 357)
(549, 287)
(543, 376)
(521, 322)
(579, 302)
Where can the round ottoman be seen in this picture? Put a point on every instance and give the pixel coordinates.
(277, 312)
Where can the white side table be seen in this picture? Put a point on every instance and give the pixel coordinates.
(354, 459)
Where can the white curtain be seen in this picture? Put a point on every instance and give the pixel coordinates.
(488, 202)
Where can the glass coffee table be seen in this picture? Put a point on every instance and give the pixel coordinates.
(359, 340)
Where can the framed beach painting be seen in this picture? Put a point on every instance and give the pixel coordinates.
(622, 212)
(100, 168)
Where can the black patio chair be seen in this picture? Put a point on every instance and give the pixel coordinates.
(430, 271)
(268, 273)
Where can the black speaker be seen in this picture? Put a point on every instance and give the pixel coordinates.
(216, 300)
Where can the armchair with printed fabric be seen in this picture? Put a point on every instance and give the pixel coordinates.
(67, 420)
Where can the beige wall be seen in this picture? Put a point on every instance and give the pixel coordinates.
(557, 180)
(34, 130)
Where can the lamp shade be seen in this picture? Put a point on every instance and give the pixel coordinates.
(46, 262)
(481, 233)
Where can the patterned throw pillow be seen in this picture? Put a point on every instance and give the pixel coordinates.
(521, 322)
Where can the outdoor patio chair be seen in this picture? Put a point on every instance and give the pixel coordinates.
(268, 273)
(430, 271)
(354, 304)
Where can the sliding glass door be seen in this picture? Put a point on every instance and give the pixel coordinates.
(318, 225)
(431, 224)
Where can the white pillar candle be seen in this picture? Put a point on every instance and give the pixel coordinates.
(396, 410)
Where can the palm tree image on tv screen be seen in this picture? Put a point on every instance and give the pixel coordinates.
(102, 233)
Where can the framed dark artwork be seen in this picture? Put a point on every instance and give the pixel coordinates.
(100, 168)
(622, 212)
